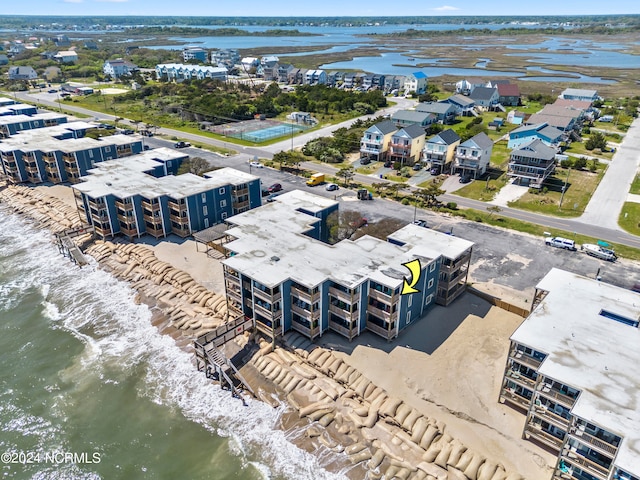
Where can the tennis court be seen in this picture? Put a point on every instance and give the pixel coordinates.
(258, 131)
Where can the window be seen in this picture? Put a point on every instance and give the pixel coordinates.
(223, 203)
(221, 191)
(205, 210)
(430, 283)
(432, 267)
(224, 215)
(410, 301)
(203, 197)
(428, 300)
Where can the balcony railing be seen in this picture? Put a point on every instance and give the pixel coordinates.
(305, 313)
(554, 394)
(342, 330)
(381, 313)
(309, 332)
(384, 333)
(240, 205)
(302, 295)
(343, 313)
(524, 359)
(544, 437)
(512, 397)
(266, 296)
(342, 295)
(584, 463)
(269, 330)
(180, 220)
(593, 442)
(519, 378)
(549, 416)
(378, 295)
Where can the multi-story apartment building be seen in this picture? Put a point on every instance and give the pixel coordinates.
(225, 57)
(17, 109)
(178, 72)
(531, 163)
(61, 153)
(195, 53)
(440, 149)
(406, 145)
(12, 124)
(375, 140)
(472, 157)
(570, 371)
(141, 195)
(280, 273)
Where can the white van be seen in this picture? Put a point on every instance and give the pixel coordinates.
(560, 242)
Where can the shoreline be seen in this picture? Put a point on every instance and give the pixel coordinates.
(332, 407)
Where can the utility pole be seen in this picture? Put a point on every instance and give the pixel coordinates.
(564, 188)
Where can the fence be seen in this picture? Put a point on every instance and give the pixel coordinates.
(498, 302)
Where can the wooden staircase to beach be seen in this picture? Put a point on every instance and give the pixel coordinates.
(68, 248)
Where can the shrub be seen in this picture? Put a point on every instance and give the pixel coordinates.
(452, 205)
(567, 163)
(405, 201)
(545, 190)
(580, 163)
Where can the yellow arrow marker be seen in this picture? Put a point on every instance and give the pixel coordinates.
(415, 269)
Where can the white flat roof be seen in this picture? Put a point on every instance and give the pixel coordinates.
(271, 248)
(231, 176)
(597, 355)
(430, 242)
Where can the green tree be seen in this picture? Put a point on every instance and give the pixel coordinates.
(347, 174)
(430, 193)
(493, 209)
(195, 165)
(596, 140)
(580, 163)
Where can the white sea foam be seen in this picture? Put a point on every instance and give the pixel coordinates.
(117, 334)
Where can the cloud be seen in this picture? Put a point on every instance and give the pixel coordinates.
(73, 1)
(445, 8)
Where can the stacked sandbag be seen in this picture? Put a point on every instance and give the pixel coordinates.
(383, 433)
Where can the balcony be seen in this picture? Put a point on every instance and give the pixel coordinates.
(240, 205)
(270, 331)
(234, 295)
(378, 295)
(520, 379)
(587, 465)
(266, 296)
(593, 442)
(302, 295)
(305, 313)
(547, 391)
(181, 230)
(103, 231)
(538, 434)
(543, 413)
(524, 359)
(342, 295)
(310, 333)
(348, 316)
(266, 313)
(179, 220)
(371, 149)
(383, 332)
(467, 164)
(389, 317)
(512, 397)
(129, 230)
(342, 330)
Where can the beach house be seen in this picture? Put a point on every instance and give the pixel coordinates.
(406, 145)
(375, 140)
(440, 149)
(532, 163)
(472, 157)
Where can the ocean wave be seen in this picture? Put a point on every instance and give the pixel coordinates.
(118, 338)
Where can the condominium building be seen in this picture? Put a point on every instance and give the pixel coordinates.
(17, 109)
(61, 153)
(141, 195)
(570, 370)
(280, 274)
(12, 124)
(179, 72)
(195, 53)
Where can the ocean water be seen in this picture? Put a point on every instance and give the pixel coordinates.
(89, 389)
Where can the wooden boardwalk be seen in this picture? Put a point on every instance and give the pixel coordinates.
(211, 360)
(68, 248)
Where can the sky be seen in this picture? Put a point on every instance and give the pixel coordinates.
(316, 8)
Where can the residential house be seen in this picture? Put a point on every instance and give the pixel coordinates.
(415, 82)
(406, 145)
(16, 48)
(90, 45)
(4, 60)
(304, 118)
(445, 112)
(332, 78)
(508, 94)
(367, 81)
(375, 140)
(439, 150)
(579, 94)
(515, 117)
(349, 80)
(466, 86)
(306, 285)
(531, 163)
(403, 118)
(301, 76)
(225, 57)
(563, 118)
(549, 135)
(315, 77)
(61, 41)
(66, 56)
(486, 97)
(465, 106)
(284, 69)
(583, 410)
(270, 67)
(119, 67)
(293, 76)
(179, 72)
(195, 53)
(472, 157)
(22, 73)
(393, 82)
(249, 64)
(377, 81)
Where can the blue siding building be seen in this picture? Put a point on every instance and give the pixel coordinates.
(282, 276)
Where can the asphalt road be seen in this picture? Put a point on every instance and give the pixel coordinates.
(500, 256)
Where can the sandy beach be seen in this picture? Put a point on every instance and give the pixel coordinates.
(446, 370)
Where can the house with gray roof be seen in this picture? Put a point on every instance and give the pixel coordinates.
(549, 135)
(445, 112)
(22, 73)
(579, 94)
(440, 149)
(403, 118)
(464, 105)
(531, 163)
(473, 156)
(375, 140)
(407, 144)
(485, 96)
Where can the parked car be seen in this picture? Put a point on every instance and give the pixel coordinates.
(388, 165)
(53, 90)
(331, 187)
(466, 178)
(435, 171)
(276, 187)
(146, 133)
(365, 161)
(417, 166)
(147, 147)
(106, 126)
(421, 223)
(256, 165)
(182, 144)
(272, 197)
(127, 131)
(560, 242)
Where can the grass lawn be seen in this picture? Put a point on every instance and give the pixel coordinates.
(635, 186)
(580, 187)
(630, 217)
(483, 190)
(368, 169)
(577, 148)
(530, 107)
(500, 154)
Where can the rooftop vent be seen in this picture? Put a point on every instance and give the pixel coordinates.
(619, 318)
(275, 259)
